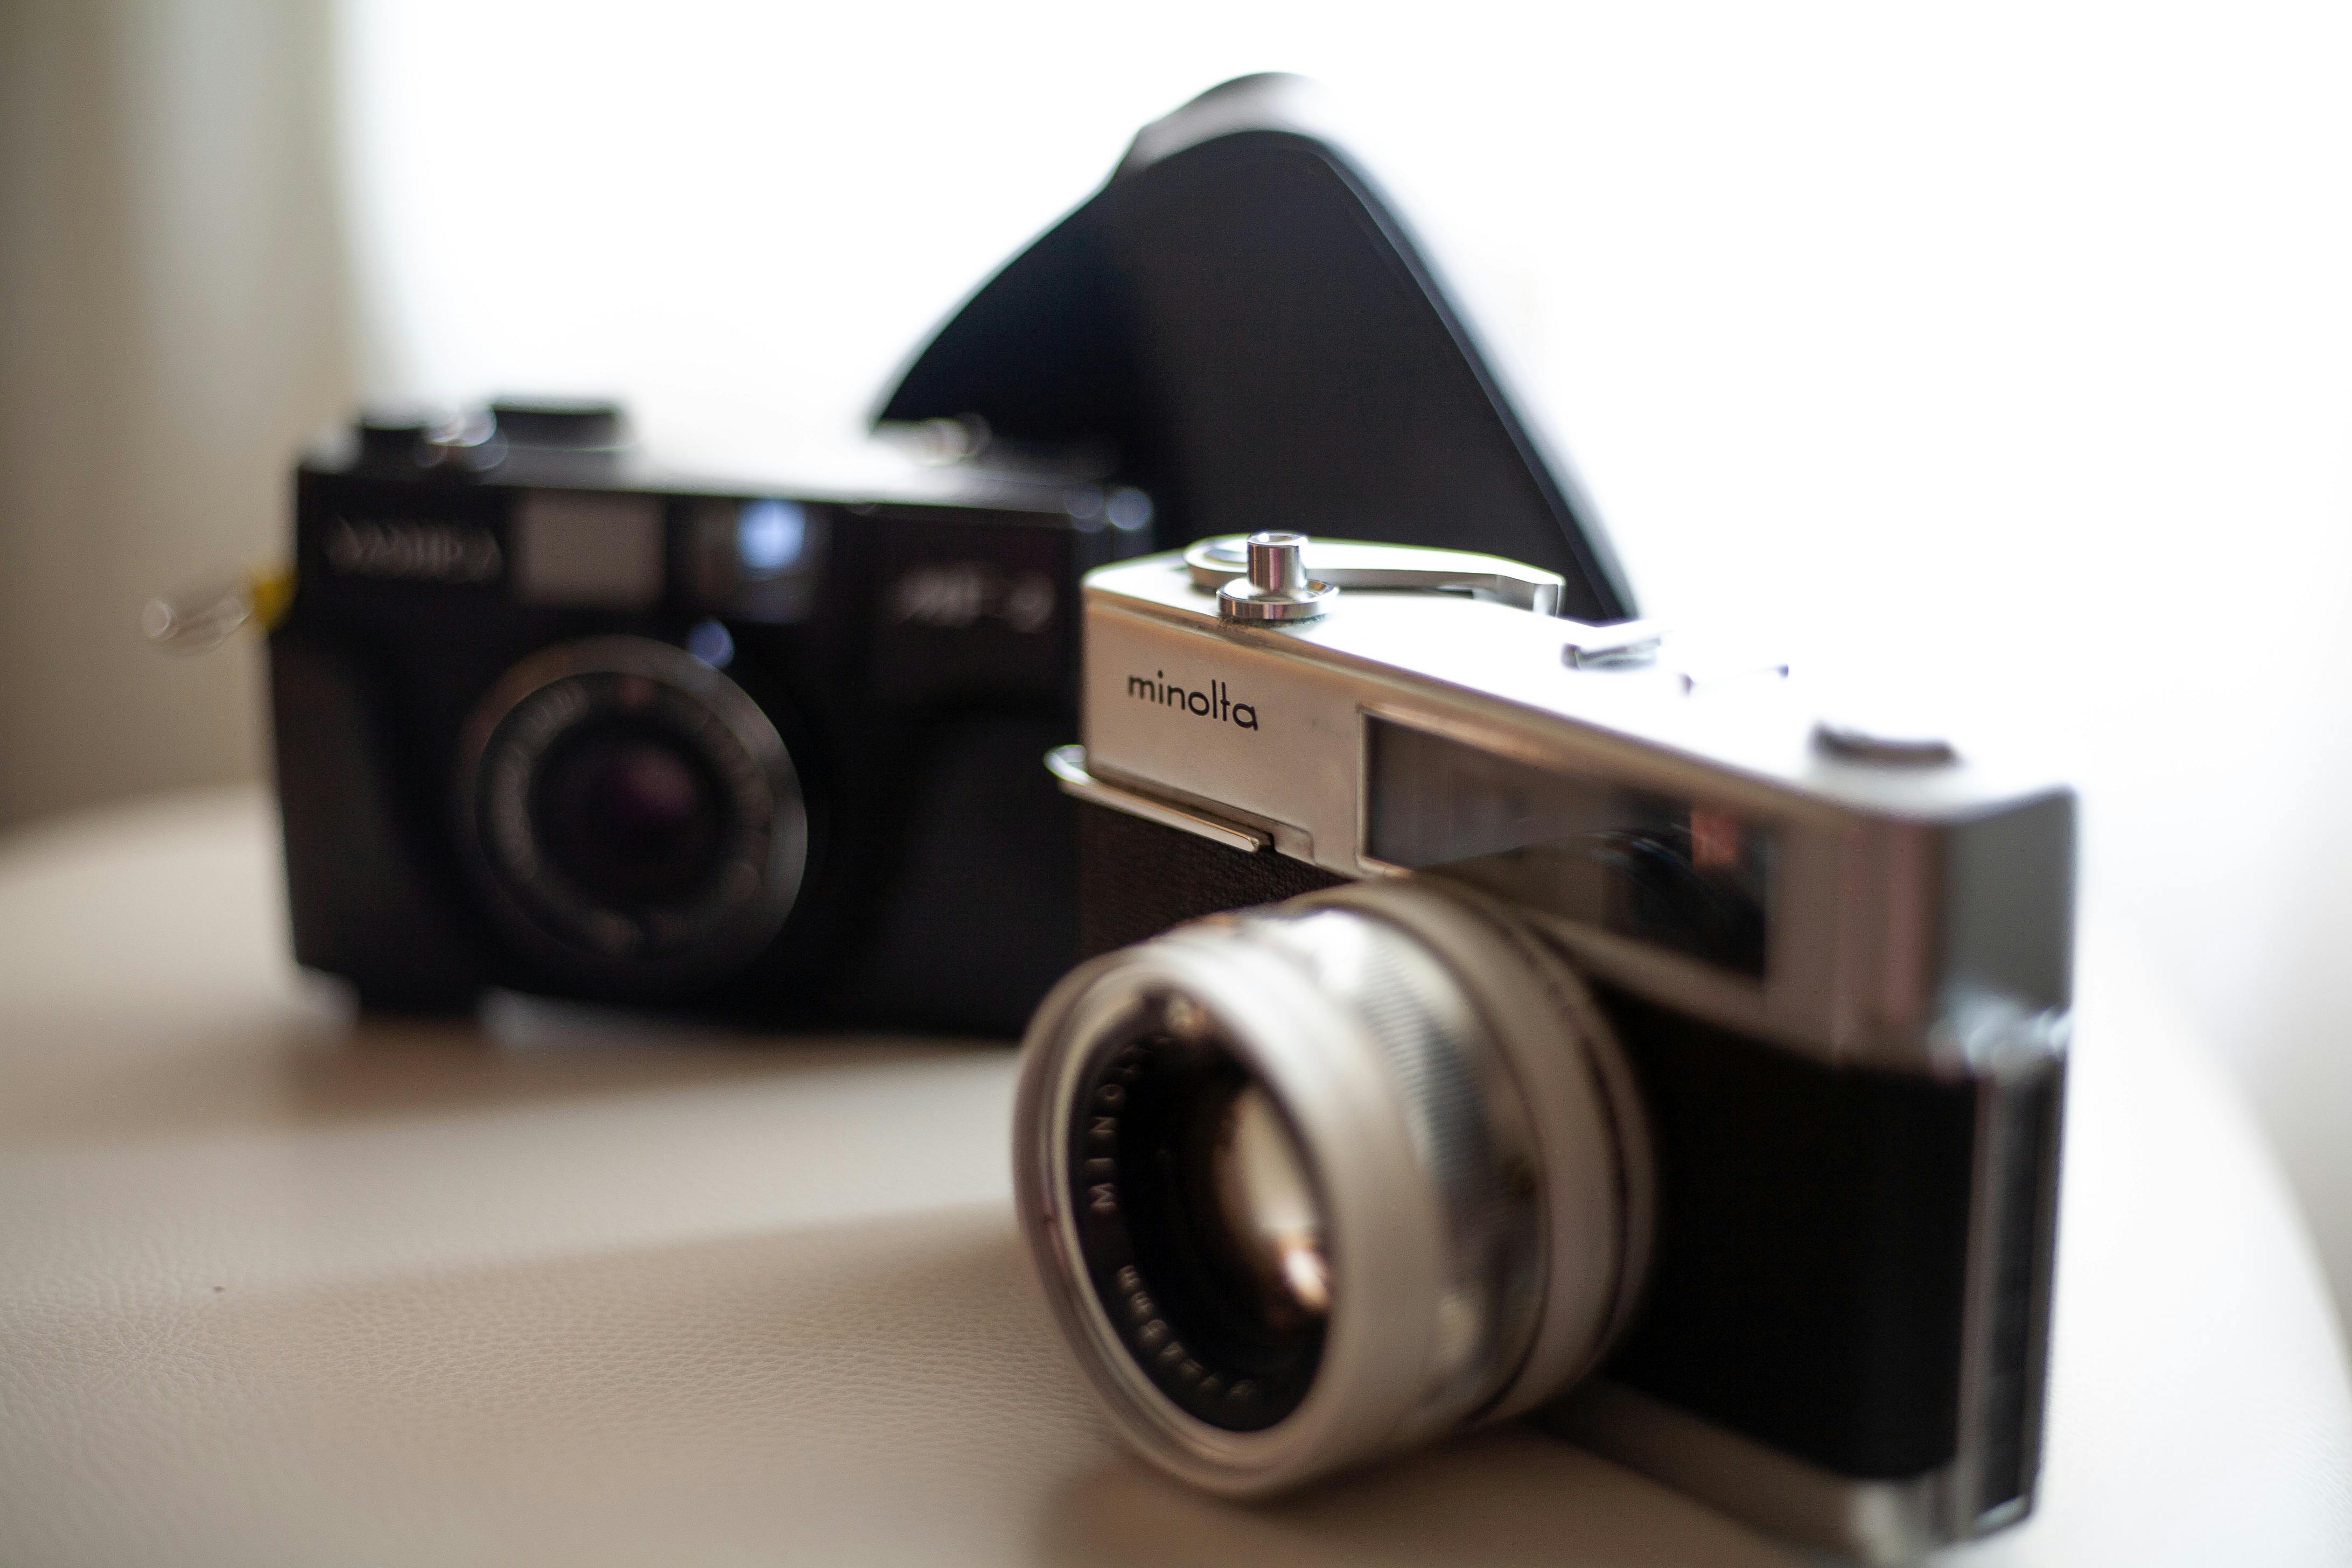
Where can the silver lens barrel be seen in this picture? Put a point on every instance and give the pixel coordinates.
(1318, 1181)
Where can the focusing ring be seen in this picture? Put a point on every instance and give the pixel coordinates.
(641, 949)
(1582, 1103)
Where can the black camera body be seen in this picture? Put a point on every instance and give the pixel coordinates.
(548, 718)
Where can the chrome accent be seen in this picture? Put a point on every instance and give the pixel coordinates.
(1277, 587)
(1353, 563)
(1884, 1523)
(2022, 1056)
(1068, 766)
(1601, 648)
(1875, 744)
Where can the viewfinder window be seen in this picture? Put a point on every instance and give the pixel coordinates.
(1682, 874)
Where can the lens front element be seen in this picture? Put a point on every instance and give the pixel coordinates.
(1270, 1218)
(631, 813)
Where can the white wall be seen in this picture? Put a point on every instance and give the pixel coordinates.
(172, 320)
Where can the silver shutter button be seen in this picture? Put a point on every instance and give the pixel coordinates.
(1903, 747)
(1277, 587)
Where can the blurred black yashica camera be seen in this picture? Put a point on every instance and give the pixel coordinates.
(1629, 1035)
(549, 718)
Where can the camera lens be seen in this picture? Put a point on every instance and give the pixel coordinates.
(632, 815)
(1314, 1181)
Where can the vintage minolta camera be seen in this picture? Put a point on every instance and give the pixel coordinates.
(549, 718)
(1631, 1046)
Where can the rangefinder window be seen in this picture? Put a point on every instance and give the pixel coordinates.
(1691, 877)
(757, 559)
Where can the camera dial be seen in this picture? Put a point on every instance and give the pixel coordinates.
(631, 814)
(1311, 1181)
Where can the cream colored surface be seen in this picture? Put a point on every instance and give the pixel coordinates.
(277, 1288)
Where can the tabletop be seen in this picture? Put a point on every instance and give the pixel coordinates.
(279, 1285)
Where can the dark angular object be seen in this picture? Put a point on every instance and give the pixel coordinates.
(1242, 317)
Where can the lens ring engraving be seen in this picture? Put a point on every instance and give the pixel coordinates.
(631, 814)
(1137, 1149)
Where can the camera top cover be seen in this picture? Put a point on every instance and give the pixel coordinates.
(1242, 319)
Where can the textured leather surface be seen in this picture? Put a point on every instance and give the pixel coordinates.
(580, 1289)
(1135, 878)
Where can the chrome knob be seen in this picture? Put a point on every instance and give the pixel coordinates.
(1278, 562)
(1277, 587)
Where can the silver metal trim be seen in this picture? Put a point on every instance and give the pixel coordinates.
(1879, 1522)
(1862, 893)
(1277, 587)
(1068, 766)
(1238, 601)
(1864, 744)
(2036, 1061)
(1569, 1064)
(1601, 648)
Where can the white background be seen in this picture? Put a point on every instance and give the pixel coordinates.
(2003, 351)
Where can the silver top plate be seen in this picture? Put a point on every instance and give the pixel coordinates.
(1918, 916)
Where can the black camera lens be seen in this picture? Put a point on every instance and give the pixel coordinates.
(629, 812)
(633, 816)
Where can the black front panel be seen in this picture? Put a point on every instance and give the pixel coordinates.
(369, 894)
(1813, 1227)
(963, 614)
(973, 917)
